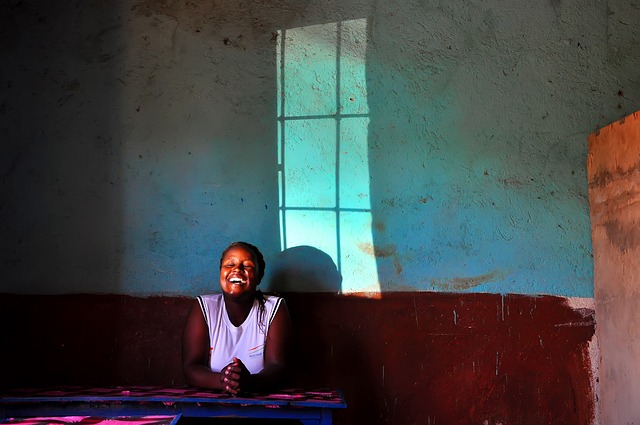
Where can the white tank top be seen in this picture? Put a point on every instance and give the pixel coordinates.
(246, 341)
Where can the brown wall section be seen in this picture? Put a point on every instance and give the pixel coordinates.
(614, 194)
(404, 358)
(91, 339)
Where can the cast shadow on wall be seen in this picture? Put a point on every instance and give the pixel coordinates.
(303, 269)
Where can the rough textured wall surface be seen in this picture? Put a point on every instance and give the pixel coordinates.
(423, 358)
(140, 137)
(614, 192)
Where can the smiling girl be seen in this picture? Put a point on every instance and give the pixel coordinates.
(239, 340)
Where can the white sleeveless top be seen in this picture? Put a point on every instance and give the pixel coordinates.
(246, 341)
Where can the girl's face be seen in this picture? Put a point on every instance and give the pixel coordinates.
(238, 272)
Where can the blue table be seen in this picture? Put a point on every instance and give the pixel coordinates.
(311, 407)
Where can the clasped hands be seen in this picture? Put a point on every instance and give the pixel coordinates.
(234, 376)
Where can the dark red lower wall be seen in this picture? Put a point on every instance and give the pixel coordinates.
(424, 358)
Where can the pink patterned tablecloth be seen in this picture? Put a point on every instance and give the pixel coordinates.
(324, 396)
(93, 420)
(133, 404)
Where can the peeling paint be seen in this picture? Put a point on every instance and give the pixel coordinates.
(382, 251)
(614, 193)
(463, 283)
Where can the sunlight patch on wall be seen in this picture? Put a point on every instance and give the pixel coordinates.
(323, 147)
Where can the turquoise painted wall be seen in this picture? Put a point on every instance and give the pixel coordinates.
(364, 146)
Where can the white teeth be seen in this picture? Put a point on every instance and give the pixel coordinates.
(235, 280)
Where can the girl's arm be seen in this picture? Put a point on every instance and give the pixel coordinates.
(195, 352)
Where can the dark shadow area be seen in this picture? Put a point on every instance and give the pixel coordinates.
(95, 340)
(60, 189)
(303, 269)
(333, 335)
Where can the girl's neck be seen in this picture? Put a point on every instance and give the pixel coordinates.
(238, 310)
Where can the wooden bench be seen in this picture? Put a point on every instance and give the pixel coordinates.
(308, 406)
